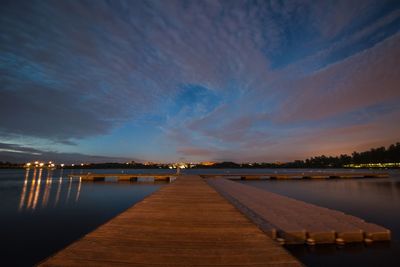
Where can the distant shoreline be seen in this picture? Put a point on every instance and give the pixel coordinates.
(210, 168)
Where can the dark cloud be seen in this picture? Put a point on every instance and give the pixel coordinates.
(202, 78)
(21, 154)
(48, 113)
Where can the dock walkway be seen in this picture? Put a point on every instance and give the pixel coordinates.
(94, 177)
(186, 223)
(299, 175)
(296, 221)
(255, 176)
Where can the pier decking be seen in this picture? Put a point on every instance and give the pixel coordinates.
(186, 223)
(122, 176)
(300, 175)
(297, 222)
(259, 176)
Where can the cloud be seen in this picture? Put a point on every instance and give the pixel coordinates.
(22, 154)
(365, 79)
(219, 79)
(104, 64)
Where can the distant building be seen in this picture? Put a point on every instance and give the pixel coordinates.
(207, 163)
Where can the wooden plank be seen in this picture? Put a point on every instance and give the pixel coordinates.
(186, 223)
(306, 175)
(297, 221)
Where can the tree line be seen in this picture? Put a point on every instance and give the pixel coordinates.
(390, 154)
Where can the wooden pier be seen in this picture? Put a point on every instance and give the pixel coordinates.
(93, 177)
(297, 222)
(299, 175)
(185, 223)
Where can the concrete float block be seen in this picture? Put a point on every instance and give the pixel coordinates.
(319, 176)
(373, 231)
(122, 178)
(293, 234)
(317, 232)
(321, 234)
(293, 237)
(378, 235)
(347, 232)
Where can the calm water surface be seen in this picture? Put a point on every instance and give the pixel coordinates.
(374, 200)
(42, 212)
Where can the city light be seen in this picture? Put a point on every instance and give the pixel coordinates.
(374, 165)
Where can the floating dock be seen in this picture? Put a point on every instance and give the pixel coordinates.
(93, 177)
(280, 176)
(296, 222)
(300, 175)
(185, 223)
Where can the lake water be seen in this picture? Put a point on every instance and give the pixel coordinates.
(42, 212)
(375, 200)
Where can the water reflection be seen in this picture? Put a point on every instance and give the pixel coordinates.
(23, 193)
(31, 191)
(56, 223)
(69, 189)
(47, 189)
(79, 190)
(38, 191)
(58, 191)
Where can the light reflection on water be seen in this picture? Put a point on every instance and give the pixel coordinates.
(42, 211)
(37, 191)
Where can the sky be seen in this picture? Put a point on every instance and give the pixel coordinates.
(169, 81)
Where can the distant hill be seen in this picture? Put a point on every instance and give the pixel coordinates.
(391, 154)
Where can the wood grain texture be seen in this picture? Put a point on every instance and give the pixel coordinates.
(186, 223)
(295, 220)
